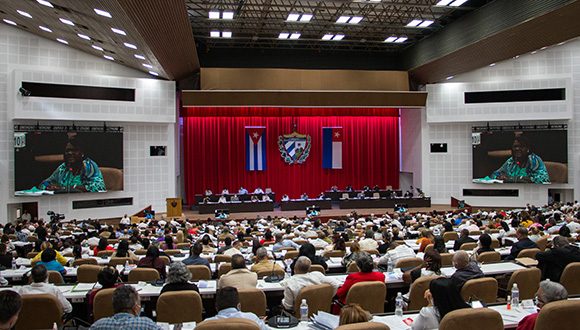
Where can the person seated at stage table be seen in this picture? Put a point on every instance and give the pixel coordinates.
(40, 284)
(285, 198)
(178, 279)
(240, 277)
(46, 244)
(48, 259)
(348, 188)
(360, 195)
(301, 278)
(304, 196)
(266, 198)
(194, 256)
(523, 243)
(208, 192)
(227, 303)
(258, 190)
(152, 260)
(242, 191)
(553, 261)
(254, 199)
(321, 196)
(366, 188)
(234, 198)
(206, 200)
(465, 270)
(225, 191)
(222, 199)
(547, 292)
(334, 188)
(263, 264)
(377, 188)
(366, 274)
(463, 238)
(308, 250)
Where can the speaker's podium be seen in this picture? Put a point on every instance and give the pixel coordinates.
(173, 207)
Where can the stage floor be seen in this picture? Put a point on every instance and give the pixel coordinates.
(335, 211)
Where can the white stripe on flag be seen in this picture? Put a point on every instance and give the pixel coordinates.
(251, 147)
(336, 154)
(259, 149)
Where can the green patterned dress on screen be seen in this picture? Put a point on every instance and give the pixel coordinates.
(90, 177)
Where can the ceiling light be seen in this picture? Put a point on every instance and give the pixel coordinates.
(97, 47)
(62, 41)
(228, 15)
(82, 36)
(44, 28)
(355, 20)
(293, 17)
(444, 2)
(327, 36)
(414, 23)
(401, 40)
(283, 35)
(492, 64)
(7, 21)
(25, 14)
(45, 3)
(563, 42)
(517, 56)
(226, 34)
(214, 14)
(450, 77)
(338, 37)
(67, 22)
(306, 18)
(458, 3)
(103, 13)
(153, 73)
(426, 23)
(391, 39)
(108, 57)
(543, 48)
(117, 31)
(342, 19)
(535, 51)
(214, 34)
(295, 36)
(149, 66)
(128, 45)
(141, 57)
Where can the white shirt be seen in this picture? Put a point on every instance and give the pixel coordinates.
(573, 226)
(400, 252)
(125, 221)
(368, 244)
(39, 288)
(231, 251)
(222, 199)
(294, 284)
(235, 313)
(427, 319)
(319, 243)
(258, 191)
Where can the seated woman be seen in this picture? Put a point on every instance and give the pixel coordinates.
(308, 250)
(268, 238)
(152, 260)
(439, 244)
(108, 278)
(46, 244)
(443, 298)
(483, 245)
(102, 246)
(431, 266)
(5, 258)
(178, 278)
(353, 313)
(48, 259)
(425, 238)
(365, 264)
(354, 254)
(547, 292)
(206, 244)
(168, 243)
(124, 252)
(338, 245)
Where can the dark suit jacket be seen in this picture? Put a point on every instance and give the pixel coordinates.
(526, 243)
(552, 262)
(461, 240)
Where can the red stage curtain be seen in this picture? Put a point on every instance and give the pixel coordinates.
(214, 154)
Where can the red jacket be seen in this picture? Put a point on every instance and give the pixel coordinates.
(528, 322)
(354, 278)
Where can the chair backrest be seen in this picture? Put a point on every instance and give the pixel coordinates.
(542, 242)
(484, 289)
(179, 307)
(450, 236)
(334, 253)
(199, 272)
(317, 268)
(183, 246)
(105, 253)
(446, 259)
(268, 272)
(429, 248)
(318, 297)
(369, 295)
(475, 232)
(39, 311)
(120, 261)
(253, 301)
(31, 255)
(372, 251)
(165, 260)
(222, 258)
(408, 262)
(472, 319)
(143, 274)
(112, 241)
(528, 253)
(291, 254)
(140, 252)
(468, 246)
(172, 252)
(561, 315)
(569, 278)
(55, 277)
(224, 268)
(494, 243)
(364, 326)
(489, 257)
(417, 292)
(85, 261)
(528, 281)
(103, 304)
(88, 273)
(352, 268)
(228, 324)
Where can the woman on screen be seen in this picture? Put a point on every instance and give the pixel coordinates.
(76, 173)
(523, 166)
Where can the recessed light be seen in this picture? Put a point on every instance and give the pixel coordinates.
(535, 51)
(458, 3)
(228, 15)
(82, 36)
(118, 31)
(149, 66)
(492, 64)
(426, 23)
(108, 57)
(338, 37)
(327, 36)
(214, 34)
(450, 77)
(391, 39)
(401, 40)
(293, 17)
(543, 48)
(517, 56)
(563, 42)
(153, 73)
(305, 18)
(355, 20)
(44, 28)
(62, 41)
(214, 14)
(226, 34)
(67, 22)
(444, 2)
(295, 36)
(23, 13)
(7, 21)
(141, 57)
(45, 3)
(128, 45)
(283, 35)
(342, 19)
(97, 47)
(414, 23)
(103, 13)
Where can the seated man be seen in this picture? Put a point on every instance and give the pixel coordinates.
(400, 251)
(463, 238)
(283, 243)
(127, 308)
(465, 270)
(194, 256)
(227, 303)
(235, 249)
(301, 279)
(553, 261)
(368, 243)
(547, 292)
(523, 243)
(263, 264)
(10, 306)
(240, 277)
(40, 285)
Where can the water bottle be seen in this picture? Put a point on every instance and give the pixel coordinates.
(127, 265)
(390, 264)
(303, 310)
(399, 305)
(515, 296)
(14, 264)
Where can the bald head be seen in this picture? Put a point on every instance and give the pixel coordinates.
(460, 259)
(302, 265)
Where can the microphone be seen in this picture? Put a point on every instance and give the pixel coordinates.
(273, 278)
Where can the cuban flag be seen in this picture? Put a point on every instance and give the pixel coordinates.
(255, 148)
(332, 147)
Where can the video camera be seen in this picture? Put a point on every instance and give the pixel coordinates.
(55, 216)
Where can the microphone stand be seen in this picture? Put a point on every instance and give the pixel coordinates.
(273, 278)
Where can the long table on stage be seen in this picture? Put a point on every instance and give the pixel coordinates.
(337, 195)
(299, 204)
(236, 207)
(245, 197)
(380, 203)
